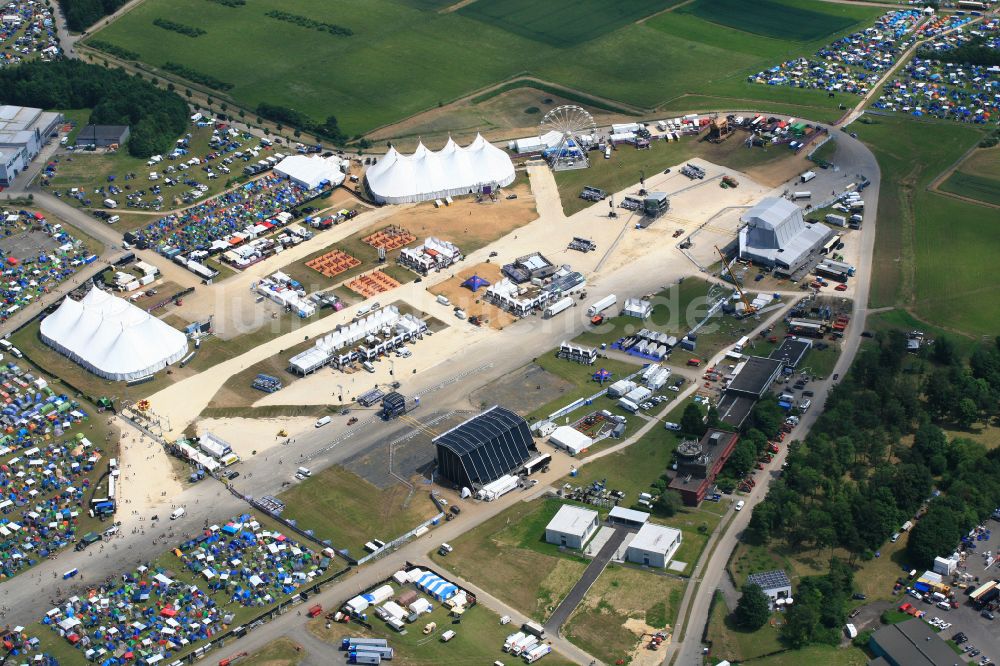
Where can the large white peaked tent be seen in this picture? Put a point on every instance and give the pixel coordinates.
(452, 171)
(111, 337)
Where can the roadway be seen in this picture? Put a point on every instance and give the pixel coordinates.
(854, 157)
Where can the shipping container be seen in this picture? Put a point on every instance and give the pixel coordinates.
(602, 305)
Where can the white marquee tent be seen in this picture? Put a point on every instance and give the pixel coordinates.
(311, 171)
(111, 337)
(452, 171)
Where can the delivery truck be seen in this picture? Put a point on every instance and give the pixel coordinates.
(602, 305)
(807, 176)
(558, 306)
(537, 653)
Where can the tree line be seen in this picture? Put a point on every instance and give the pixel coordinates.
(855, 480)
(328, 129)
(197, 77)
(156, 117)
(975, 52)
(180, 28)
(313, 24)
(81, 14)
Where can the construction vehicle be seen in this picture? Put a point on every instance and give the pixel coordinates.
(750, 309)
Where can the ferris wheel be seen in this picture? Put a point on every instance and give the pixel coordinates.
(576, 128)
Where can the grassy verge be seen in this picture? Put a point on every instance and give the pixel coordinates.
(340, 506)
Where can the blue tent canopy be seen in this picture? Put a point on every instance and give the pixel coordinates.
(475, 282)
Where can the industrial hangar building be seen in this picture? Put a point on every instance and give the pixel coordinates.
(791, 351)
(23, 132)
(775, 235)
(753, 377)
(484, 448)
(910, 643)
(654, 545)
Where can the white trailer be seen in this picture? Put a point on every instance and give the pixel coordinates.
(836, 220)
(807, 176)
(558, 306)
(602, 305)
(513, 640)
(536, 653)
(804, 194)
(524, 645)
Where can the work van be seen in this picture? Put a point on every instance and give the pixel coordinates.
(114, 218)
(805, 405)
(6, 345)
(16, 353)
(443, 300)
(303, 472)
(322, 422)
(177, 513)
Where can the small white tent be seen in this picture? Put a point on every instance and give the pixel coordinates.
(571, 439)
(111, 337)
(450, 172)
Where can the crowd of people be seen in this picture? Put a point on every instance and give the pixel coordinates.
(157, 611)
(45, 470)
(26, 277)
(27, 30)
(931, 86)
(851, 64)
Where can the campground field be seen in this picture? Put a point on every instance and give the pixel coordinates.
(768, 18)
(360, 79)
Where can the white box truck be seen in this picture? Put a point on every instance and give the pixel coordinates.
(807, 176)
(558, 306)
(602, 305)
(536, 653)
(836, 220)
(804, 194)
(110, 203)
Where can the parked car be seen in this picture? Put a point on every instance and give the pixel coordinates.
(740, 505)
(988, 615)
(859, 596)
(672, 426)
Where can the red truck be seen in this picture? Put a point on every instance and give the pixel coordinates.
(694, 362)
(315, 611)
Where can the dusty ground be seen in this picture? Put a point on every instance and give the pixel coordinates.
(468, 224)
(249, 435)
(473, 303)
(519, 391)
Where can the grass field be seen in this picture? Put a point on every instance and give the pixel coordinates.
(562, 22)
(979, 188)
(777, 20)
(620, 594)
(931, 251)
(341, 506)
(581, 376)
(364, 82)
(478, 639)
(513, 543)
(281, 652)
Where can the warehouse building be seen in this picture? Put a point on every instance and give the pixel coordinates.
(791, 351)
(23, 132)
(654, 545)
(775, 585)
(699, 463)
(571, 527)
(484, 448)
(754, 376)
(103, 136)
(910, 643)
(775, 235)
(627, 517)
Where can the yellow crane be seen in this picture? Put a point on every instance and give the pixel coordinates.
(750, 309)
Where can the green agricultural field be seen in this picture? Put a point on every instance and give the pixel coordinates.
(363, 80)
(769, 18)
(971, 186)
(929, 244)
(562, 22)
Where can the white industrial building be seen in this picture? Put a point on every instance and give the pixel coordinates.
(638, 308)
(23, 132)
(774, 234)
(432, 254)
(653, 545)
(450, 172)
(111, 337)
(362, 340)
(572, 526)
(570, 439)
(312, 171)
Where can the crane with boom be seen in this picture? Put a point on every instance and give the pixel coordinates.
(750, 309)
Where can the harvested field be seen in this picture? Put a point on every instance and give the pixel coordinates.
(390, 238)
(473, 303)
(333, 263)
(373, 283)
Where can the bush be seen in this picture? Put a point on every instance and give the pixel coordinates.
(532, 110)
(198, 77)
(156, 117)
(306, 22)
(187, 30)
(112, 49)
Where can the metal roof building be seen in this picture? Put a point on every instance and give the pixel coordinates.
(484, 448)
(572, 526)
(774, 234)
(791, 351)
(911, 643)
(755, 377)
(654, 545)
(775, 584)
(23, 132)
(102, 136)
(627, 517)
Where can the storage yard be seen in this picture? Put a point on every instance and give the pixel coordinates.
(27, 32)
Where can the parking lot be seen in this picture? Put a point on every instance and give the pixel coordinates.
(981, 632)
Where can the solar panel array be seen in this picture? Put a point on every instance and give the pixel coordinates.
(770, 580)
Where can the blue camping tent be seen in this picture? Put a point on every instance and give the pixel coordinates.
(475, 282)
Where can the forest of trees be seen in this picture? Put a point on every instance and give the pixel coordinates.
(856, 478)
(975, 52)
(81, 14)
(156, 117)
(329, 129)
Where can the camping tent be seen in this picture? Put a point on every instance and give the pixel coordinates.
(111, 337)
(475, 282)
(426, 175)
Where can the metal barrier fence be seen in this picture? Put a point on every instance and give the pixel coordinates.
(398, 541)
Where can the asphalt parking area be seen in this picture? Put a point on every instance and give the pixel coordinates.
(27, 244)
